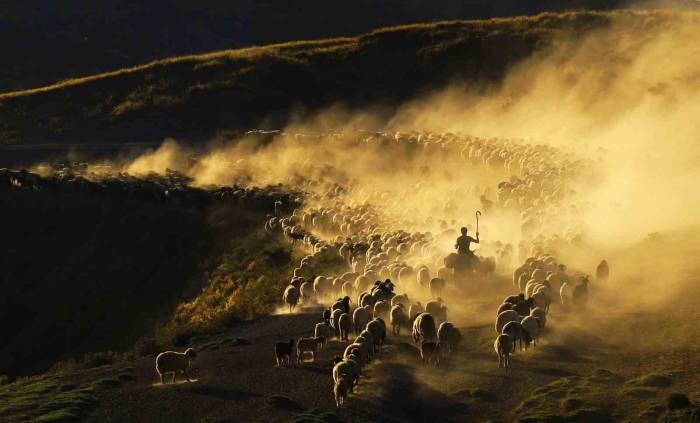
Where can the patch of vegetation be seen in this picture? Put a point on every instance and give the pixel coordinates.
(45, 399)
(588, 415)
(603, 376)
(570, 404)
(656, 380)
(316, 416)
(283, 402)
(476, 394)
(638, 392)
(677, 401)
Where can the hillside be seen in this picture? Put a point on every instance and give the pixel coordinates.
(50, 42)
(194, 96)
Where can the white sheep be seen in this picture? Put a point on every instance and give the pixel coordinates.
(174, 362)
(506, 317)
(344, 370)
(370, 339)
(307, 291)
(291, 297)
(503, 346)
(532, 326)
(566, 293)
(344, 326)
(424, 328)
(377, 328)
(400, 299)
(360, 317)
(382, 309)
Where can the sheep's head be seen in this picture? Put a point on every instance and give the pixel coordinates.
(190, 353)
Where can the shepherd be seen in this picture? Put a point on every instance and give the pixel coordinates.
(464, 241)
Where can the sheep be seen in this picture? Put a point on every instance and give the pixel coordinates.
(503, 346)
(400, 299)
(437, 309)
(377, 328)
(322, 330)
(398, 318)
(326, 316)
(174, 362)
(505, 317)
(580, 294)
(382, 309)
(283, 352)
(335, 316)
(423, 276)
(348, 289)
(291, 297)
(430, 352)
(307, 292)
(516, 332)
(360, 317)
(602, 272)
(340, 391)
(541, 316)
(424, 328)
(308, 345)
(414, 310)
(359, 349)
(449, 336)
(566, 293)
(370, 339)
(354, 362)
(344, 326)
(524, 307)
(515, 299)
(342, 304)
(436, 287)
(540, 298)
(504, 307)
(531, 325)
(344, 370)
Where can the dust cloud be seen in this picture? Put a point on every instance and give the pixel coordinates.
(622, 99)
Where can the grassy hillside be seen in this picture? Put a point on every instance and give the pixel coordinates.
(50, 41)
(95, 266)
(193, 96)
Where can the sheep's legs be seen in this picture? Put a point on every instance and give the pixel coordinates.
(187, 377)
(161, 379)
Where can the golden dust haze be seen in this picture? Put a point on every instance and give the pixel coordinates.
(624, 100)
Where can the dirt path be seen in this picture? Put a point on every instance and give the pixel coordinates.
(239, 383)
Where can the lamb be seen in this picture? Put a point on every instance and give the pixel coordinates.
(503, 346)
(430, 352)
(377, 328)
(360, 317)
(174, 362)
(532, 326)
(398, 318)
(449, 336)
(308, 345)
(322, 330)
(344, 326)
(340, 391)
(436, 286)
(382, 309)
(424, 328)
(291, 297)
(283, 352)
(505, 317)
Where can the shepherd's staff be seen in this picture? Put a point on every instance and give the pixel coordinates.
(478, 213)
